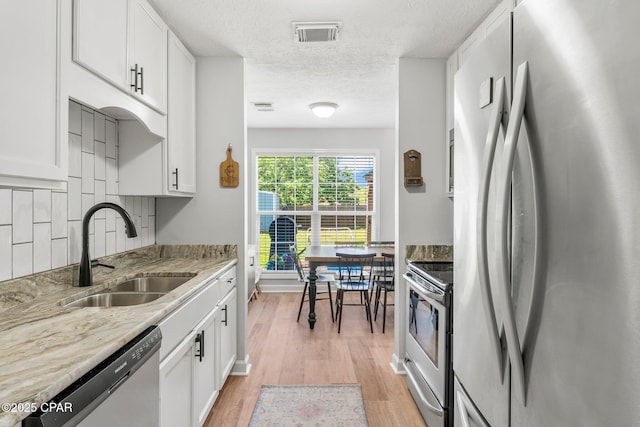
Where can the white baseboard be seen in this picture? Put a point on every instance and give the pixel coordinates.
(397, 365)
(241, 368)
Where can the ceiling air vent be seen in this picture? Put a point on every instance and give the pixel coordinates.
(305, 32)
(263, 106)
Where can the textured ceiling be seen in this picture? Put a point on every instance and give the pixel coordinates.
(358, 72)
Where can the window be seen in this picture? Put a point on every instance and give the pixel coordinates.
(311, 199)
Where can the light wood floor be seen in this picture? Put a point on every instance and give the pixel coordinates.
(282, 351)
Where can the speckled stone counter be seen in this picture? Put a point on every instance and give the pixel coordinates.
(428, 253)
(45, 346)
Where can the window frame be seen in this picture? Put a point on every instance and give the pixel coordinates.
(314, 213)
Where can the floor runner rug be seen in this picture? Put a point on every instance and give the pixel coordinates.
(309, 405)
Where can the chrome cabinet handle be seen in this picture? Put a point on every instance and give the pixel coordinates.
(502, 241)
(483, 201)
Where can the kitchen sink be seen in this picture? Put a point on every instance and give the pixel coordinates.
(116, 299)
(150, 284)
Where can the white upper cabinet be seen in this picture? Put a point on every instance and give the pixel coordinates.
(155, 166)
(181, 122)
(32, 150)
(125, 43)
(148, 55)
(100, 38)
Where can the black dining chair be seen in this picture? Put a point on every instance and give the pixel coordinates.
(354, 275)
(304, 278)
(384, 280)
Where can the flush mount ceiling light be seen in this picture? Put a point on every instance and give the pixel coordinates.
(323, 109)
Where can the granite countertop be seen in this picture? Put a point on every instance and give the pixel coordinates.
(428, 253)
(44, 347)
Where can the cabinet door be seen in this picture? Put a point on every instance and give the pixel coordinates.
(176, 391)
(100, 39)
(148, 50)
(227, 329)
(204, 379)
(181, 142)
(30, 144)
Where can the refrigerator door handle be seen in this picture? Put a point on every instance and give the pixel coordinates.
(495, 127)
(467, 411)
(502, 242)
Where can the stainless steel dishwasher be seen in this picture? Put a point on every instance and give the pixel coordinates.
(121, 390)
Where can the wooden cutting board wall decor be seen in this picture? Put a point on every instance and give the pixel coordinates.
(229, 171)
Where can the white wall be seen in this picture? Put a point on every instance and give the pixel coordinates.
(380, 140)
(424, 214)
(216, 214)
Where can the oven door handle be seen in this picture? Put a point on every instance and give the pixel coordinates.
(491, 143)
(410, 375)
(422, 291)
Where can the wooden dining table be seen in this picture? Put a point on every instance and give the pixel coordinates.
(317, 256)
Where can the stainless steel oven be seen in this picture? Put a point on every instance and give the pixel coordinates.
(430, 326)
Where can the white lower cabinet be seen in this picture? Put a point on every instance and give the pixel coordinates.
(204, 378)
(176, 390)
(198, 352)
(227, 332)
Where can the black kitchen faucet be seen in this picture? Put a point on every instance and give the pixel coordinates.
(86, 277)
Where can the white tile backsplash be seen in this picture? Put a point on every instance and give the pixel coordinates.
(22, 259)
(74, 241)
(100, 239)
(88, 173)
(41, 247)
(22, 216)
(87, 131)
(121, 237)
(75, 118)
(74, 193)
(101, 161)
(111, 138)
(75, 155)
(42, 229)
(111, 171)
(6, 249)
(59, 215)
(6, 209)
(41, 206)
(100, 195)
(59, 253)
(87, 202)
(99, 127)
(110, 242)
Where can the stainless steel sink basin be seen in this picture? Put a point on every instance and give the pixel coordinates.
(151, 284)
(115, 299)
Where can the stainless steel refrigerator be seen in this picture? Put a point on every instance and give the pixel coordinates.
(547, 219)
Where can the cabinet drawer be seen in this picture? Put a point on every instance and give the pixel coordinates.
(227, 282)
(180, 322)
